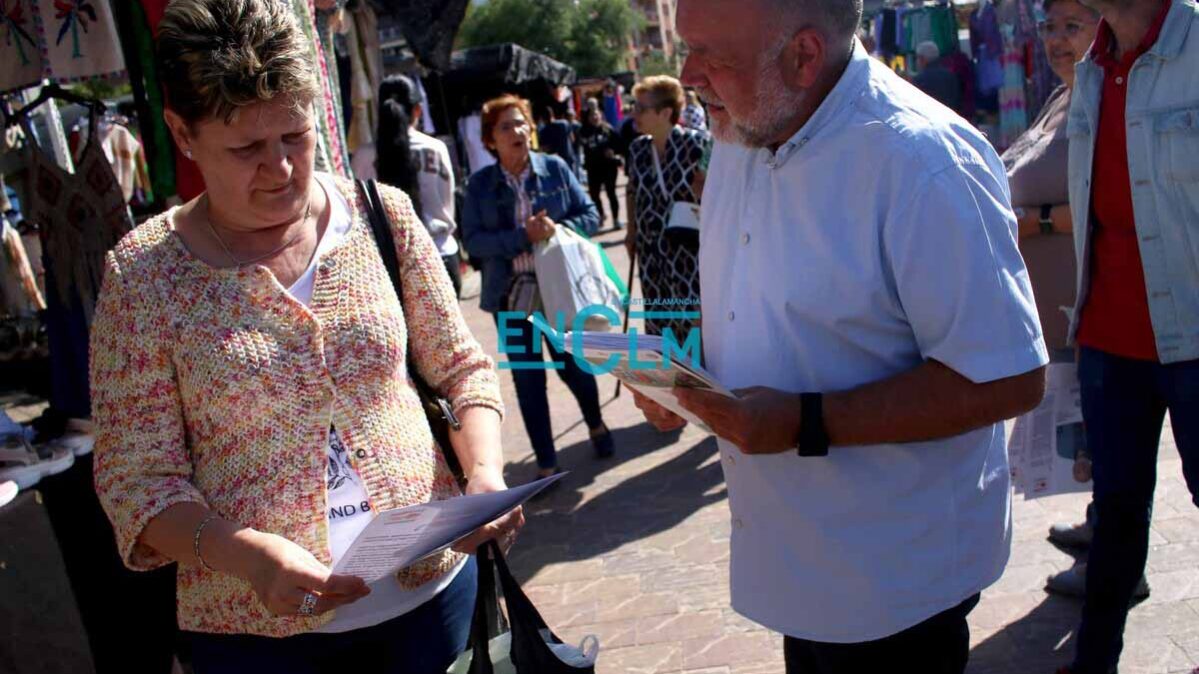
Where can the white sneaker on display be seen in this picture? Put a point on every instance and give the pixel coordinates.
(19, 463)
(8, 491)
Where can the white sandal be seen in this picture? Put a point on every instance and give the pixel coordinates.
(19, 463)
(8, 491)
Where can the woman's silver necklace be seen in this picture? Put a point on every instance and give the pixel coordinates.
(285, 245)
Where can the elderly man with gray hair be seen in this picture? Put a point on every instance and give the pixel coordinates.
(864, 298)
(935, 79)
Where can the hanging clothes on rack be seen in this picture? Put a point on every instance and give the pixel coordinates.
(613, 107)
(886, 33)
(19, 294)
(331, 146)
(160, 160)
(900, 30)
(80, 217)
(123, 151)
(20, 57)
(986, 43)
(1039, 76)
(366, 74)
(936, 24)
(187, 183)
(62, 40)
(1013, 110)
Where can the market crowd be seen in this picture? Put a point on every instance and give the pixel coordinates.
(881, 289)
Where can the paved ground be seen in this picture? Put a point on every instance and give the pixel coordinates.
(635, 550)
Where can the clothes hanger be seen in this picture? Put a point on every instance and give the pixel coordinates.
(53, 90)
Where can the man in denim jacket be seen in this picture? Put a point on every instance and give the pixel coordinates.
(1134, 191)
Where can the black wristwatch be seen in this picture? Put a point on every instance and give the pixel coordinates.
(1046, 220)
(813, 440)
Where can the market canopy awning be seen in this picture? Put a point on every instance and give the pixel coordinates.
(509, 64)
(478, 74)
(429, 26)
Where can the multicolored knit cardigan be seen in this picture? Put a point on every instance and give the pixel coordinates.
(215, 386)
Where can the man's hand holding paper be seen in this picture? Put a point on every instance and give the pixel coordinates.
(759, 420)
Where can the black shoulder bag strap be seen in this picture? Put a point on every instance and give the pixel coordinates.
(437, 409)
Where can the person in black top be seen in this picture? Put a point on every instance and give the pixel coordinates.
(577, 143)
(557, 137)
(599, 143)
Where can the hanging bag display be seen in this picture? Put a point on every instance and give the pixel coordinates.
(529, 647)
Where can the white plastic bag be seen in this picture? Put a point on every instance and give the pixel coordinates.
(572, 279)
(500, 650)
(581, 657)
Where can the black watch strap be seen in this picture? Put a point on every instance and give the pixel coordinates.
(813, 440)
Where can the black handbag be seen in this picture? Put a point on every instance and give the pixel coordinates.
(530, 637)
(442, 419)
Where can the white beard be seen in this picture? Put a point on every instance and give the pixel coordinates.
(774, 109)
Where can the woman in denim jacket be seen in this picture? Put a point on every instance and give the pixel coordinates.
(510, 206)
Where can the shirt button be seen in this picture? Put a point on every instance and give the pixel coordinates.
(745, 239)
(732, 458)
(1119, 80)
(738, 523)
(732, 315)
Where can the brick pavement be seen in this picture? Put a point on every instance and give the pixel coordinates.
(634, 549)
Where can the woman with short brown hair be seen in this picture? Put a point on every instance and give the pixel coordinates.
(251, 392)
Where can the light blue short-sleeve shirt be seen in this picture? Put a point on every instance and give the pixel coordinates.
(879, 237)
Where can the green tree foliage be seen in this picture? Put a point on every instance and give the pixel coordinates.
(591, 36)
(656, 63)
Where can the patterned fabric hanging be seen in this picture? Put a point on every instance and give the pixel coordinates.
(1013, 110)
(1041, 81)
(62, 40)
(81, 216)
(20, 58)
(331, 153)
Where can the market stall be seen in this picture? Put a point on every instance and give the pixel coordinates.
(991, 45)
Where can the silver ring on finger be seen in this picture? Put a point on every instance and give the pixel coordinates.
(308, 606)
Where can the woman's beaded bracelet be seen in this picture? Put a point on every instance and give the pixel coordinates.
(196, 541)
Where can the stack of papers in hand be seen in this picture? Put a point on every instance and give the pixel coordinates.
(641, 362)
(399, 537)
(1043, 443)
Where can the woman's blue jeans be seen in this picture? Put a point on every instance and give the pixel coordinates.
(1124, 403)
(423, 641)
(517, 341)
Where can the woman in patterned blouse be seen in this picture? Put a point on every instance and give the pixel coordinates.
(663, 168)
(251, 394)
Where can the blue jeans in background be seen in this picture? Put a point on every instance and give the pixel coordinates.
(517, 347)
(1124, 403)
(423, 641)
